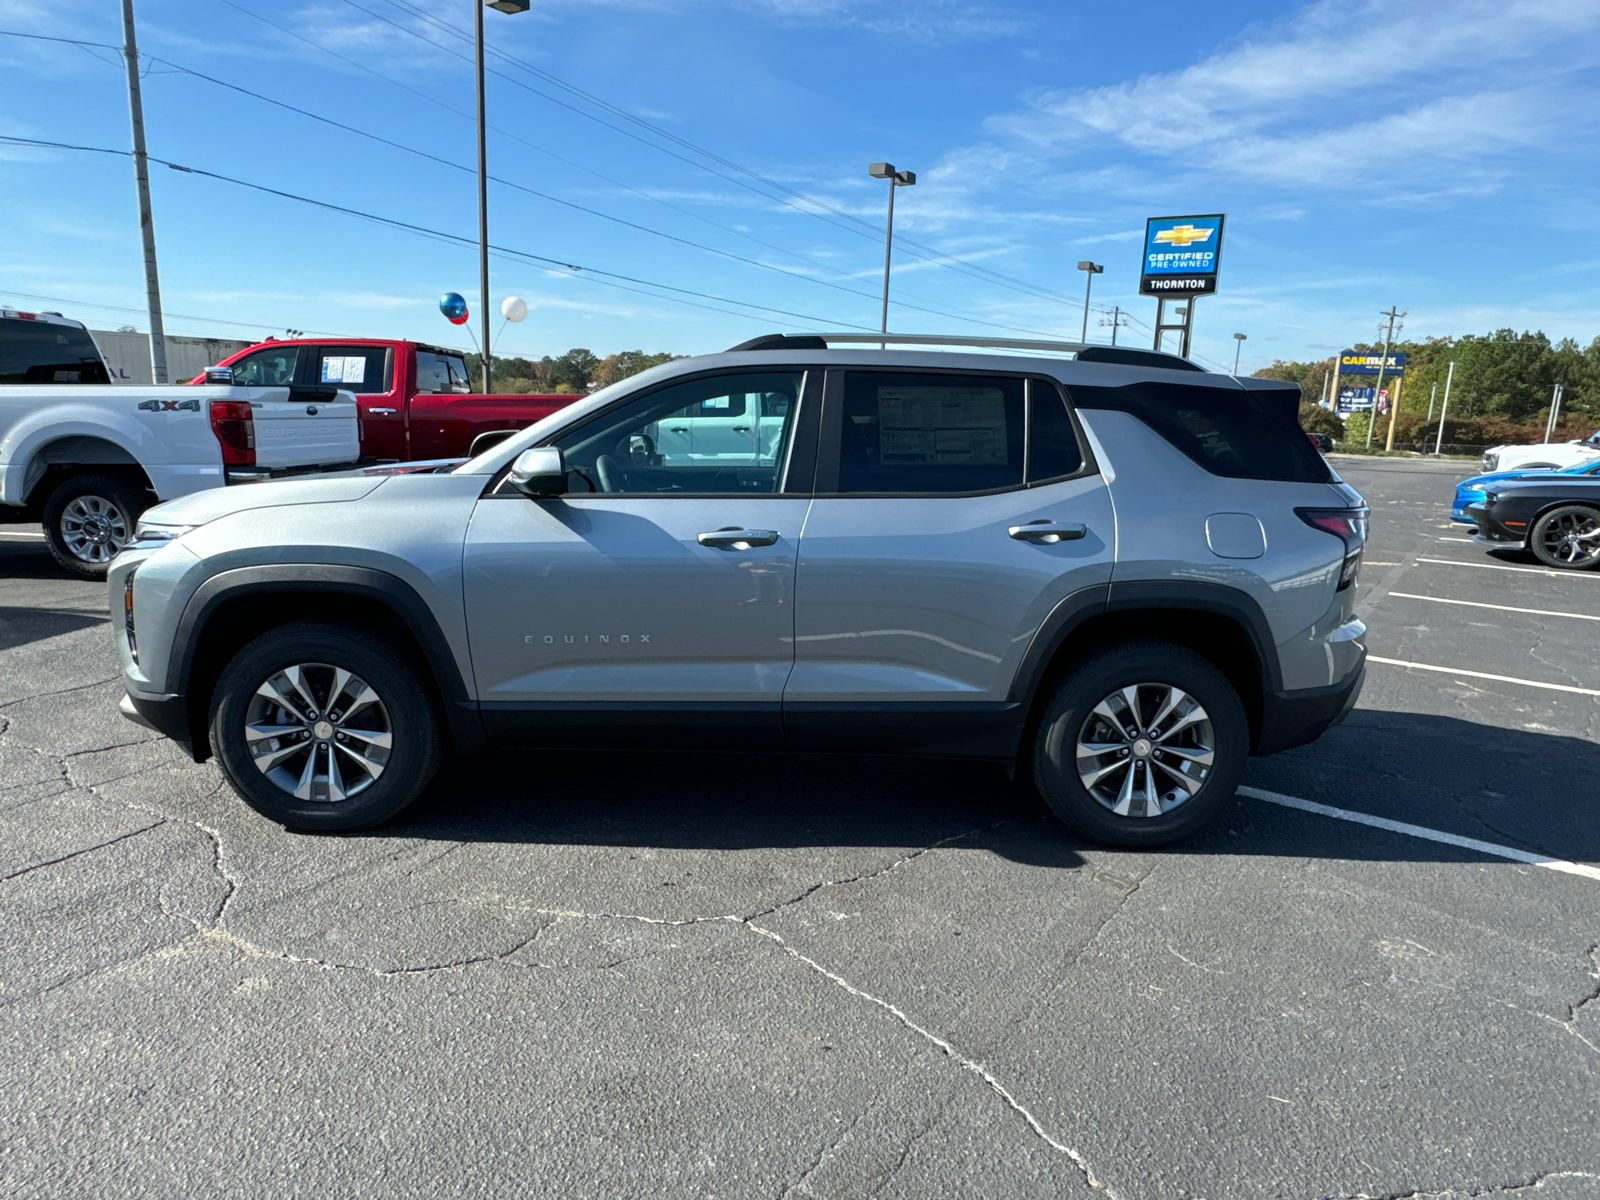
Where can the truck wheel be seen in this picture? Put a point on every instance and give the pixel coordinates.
(324, 727)
(1143, 744)
(87, 520)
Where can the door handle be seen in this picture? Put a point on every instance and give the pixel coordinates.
(741, 429)
(1048, 532)
(738, 539)
(678, 429)
(382, 412)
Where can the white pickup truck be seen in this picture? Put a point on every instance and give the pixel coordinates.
(86, 458)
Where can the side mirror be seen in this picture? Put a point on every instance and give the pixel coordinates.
(539, 472)
(222, 375)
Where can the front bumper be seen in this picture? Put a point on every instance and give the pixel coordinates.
(167, 715)
(1491, 530)
(1290, 719)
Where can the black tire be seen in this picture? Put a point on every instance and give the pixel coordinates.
(87, 519)
(1146, 665)
(1567, 538)
(405, 708)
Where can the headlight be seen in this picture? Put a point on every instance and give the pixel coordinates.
(149, 534)
(1490, 460)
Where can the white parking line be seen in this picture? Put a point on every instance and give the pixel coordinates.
(1532, 612)
(1421, 831)
(32, 536)
(1533, 683)
(1450, 562)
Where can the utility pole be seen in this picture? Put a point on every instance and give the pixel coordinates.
(1383, 363)
(1115, 320)
(1445, 407)
(483, 198)
(141, 175)
(1555, 410)
(1432, 392)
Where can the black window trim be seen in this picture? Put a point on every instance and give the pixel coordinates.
(831, 430)
(800, 455)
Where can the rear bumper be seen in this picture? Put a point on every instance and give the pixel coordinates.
(167, 715)
(1290, 719)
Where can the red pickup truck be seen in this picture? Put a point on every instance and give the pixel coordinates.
(416, 401)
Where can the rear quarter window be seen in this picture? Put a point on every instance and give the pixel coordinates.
(43, 352)
(1237, 434)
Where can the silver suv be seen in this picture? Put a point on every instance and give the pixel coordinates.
(1115, 571)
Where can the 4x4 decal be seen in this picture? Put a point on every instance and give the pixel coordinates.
(169, 406)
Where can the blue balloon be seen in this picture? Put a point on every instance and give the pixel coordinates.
(453, 305)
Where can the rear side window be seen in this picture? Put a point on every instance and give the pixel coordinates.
(1237, 434)
(940, 434)
(360, 369)
(1053, 450)
(41, 352)
(442, 374)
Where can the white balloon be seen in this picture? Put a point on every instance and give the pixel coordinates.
(513, 308)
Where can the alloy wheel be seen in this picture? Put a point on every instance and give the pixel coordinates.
(1572, 538)
(94, 529)
(318, 732)
(1145, 749)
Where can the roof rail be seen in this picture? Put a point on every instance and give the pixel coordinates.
(1124, 355)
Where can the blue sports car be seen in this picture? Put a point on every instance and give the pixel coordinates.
(1470, 491)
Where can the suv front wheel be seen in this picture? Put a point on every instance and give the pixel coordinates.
(324, 727)
(1142, 744)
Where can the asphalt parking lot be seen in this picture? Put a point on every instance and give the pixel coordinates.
(625, 975)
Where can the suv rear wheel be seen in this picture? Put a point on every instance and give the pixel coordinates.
(1142, 744)
(324, 727)
(88, 519)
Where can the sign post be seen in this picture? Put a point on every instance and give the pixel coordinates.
(1181, 258)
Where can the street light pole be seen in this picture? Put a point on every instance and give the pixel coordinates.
(505, 6)
(1090, 270)
(141, 177)
(896, 179)
(1238, 345)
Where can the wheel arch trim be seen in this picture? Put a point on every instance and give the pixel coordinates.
(465, 725)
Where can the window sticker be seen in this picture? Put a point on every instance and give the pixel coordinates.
(351, 369)
(928, 425)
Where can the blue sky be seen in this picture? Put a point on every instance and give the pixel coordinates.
(1438, 156)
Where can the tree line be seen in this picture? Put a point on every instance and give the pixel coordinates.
(574, 373)
(1500, 392)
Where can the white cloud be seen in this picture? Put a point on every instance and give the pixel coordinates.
(1345, 90)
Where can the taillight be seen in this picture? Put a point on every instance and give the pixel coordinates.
(235, 427)
(1349, 525)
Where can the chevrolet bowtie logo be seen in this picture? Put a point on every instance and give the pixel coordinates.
(1184, 236)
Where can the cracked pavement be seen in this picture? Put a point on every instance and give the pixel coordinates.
(616, 975)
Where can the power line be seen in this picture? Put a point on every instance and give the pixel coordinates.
(180, 68)
(141, 312)
(595, 273)
(856, 226)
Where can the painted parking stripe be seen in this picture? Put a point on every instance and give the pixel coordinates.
(31, 536)
(1534, 683)
(1450, 562)
(1532, 612)
(1583, 870)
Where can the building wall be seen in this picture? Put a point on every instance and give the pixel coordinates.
(127, 355)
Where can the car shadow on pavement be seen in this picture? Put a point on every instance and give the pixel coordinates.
(1530, 789)
(19, 626)
(730, 802)
(1522, 788)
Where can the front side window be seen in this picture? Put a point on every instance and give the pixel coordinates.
(442, 374)
(268, 368)
(924, 433)
(721, 434)
(363, 370)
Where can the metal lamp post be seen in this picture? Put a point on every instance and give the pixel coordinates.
(1238, 345)
(897, 179)
(1090, 270)
(505, 6)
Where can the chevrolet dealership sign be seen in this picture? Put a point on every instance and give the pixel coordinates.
(1181, 256)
